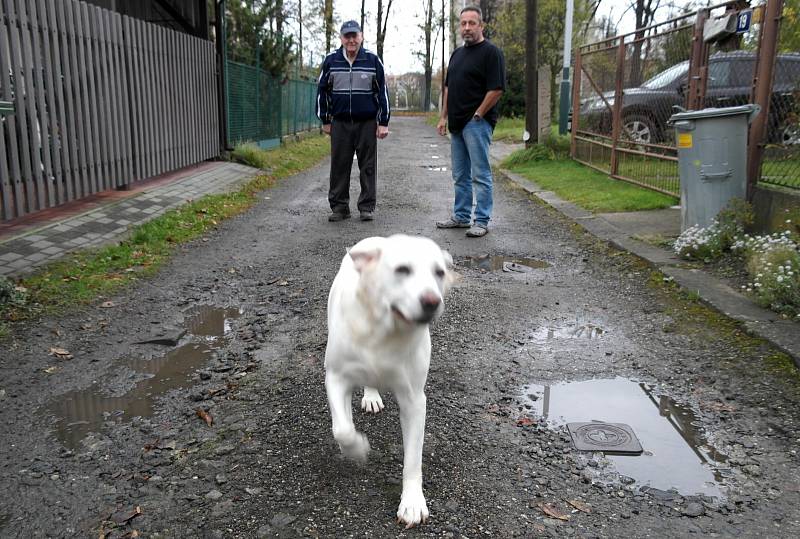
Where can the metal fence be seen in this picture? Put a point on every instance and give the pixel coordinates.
(99, 101)
(262, 108)
(626, 87)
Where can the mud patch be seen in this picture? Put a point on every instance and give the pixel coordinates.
(504, 263)
(676, 452)
(88, 410)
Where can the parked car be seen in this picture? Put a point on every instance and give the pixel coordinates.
(646, 108)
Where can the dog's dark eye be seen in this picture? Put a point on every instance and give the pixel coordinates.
(403, 270)
(440, 273)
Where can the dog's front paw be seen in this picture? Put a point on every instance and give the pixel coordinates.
(413, 510)
(371, 402)
(355, 446)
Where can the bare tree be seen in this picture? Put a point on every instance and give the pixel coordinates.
(328, 15)
(383, 21)
(363, 13)
(645, 11)
(427, 54)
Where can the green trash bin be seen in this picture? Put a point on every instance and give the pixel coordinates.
(712, 160)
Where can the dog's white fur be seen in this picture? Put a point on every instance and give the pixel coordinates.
(386, 293)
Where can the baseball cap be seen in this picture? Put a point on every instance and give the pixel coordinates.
(349, 27)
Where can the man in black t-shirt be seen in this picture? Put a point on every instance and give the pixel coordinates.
(476, 78)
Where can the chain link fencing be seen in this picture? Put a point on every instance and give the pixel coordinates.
(262, 108)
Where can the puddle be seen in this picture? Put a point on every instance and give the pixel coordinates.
(81, 412)
(578, 331)
(676, 453)
(504, 263)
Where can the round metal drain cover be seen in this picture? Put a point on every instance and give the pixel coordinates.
(608, 437)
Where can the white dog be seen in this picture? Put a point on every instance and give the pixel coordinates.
(386, 293)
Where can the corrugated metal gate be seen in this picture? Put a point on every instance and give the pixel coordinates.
(100, 101)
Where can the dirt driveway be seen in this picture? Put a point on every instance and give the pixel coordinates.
(551, 328)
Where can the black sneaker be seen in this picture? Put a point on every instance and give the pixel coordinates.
(367, 216)
(337, 216)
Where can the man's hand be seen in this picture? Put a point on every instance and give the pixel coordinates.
(326, 128)
(382, 131)
(441, 127)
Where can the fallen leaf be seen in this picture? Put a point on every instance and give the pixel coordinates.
(50, 370)
(579, 505)
(525, 422)
(125, 519)
(60, 353)
(205, 416)
(107, 304)
(551, 511)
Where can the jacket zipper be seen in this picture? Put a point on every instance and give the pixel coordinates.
(351, 89)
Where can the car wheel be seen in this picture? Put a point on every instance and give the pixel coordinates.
(639, 128)
(789, 134)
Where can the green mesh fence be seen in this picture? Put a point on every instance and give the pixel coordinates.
(263, 108)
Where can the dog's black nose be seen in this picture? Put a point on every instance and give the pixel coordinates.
(430, 302)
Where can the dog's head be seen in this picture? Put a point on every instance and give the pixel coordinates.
(405, 277)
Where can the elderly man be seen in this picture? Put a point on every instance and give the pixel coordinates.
(353, 105)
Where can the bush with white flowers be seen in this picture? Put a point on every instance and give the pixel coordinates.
(699, 243)
(772, 260)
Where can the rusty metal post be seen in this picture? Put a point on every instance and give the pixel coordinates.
(762, 91)
(698, 64)
(616, 113)
(576, 102)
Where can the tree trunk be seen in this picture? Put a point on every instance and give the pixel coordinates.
(300, 37)
(362, 15)
(328, 25)
(426, 98)
(383, 21)
(531, 75)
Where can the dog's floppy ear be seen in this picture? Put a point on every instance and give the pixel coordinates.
(447, 258)
(366, 252)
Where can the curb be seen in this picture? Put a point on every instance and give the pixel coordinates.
(759, 322)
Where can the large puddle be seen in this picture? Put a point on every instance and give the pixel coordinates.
(676, 453)
(80, 412)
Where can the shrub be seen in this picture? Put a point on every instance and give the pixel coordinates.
(250, 154)
(11, 295)
(709, 243)
(700, 243)
(776, 279)
(537, 152)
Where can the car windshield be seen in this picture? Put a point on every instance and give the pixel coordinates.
(666, 77)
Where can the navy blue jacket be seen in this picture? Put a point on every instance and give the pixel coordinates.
(356, 92)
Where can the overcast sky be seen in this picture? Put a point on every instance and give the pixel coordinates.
(404, 37)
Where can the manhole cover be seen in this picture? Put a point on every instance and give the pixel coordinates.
(608, 437)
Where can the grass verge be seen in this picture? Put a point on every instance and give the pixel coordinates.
(582, 185)
(88, 275)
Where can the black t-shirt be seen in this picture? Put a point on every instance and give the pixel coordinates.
(472, 72)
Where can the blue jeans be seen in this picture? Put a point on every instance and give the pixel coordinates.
(469, 153)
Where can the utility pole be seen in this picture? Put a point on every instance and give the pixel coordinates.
(441, 96)
(564, 96)
(531, 75)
